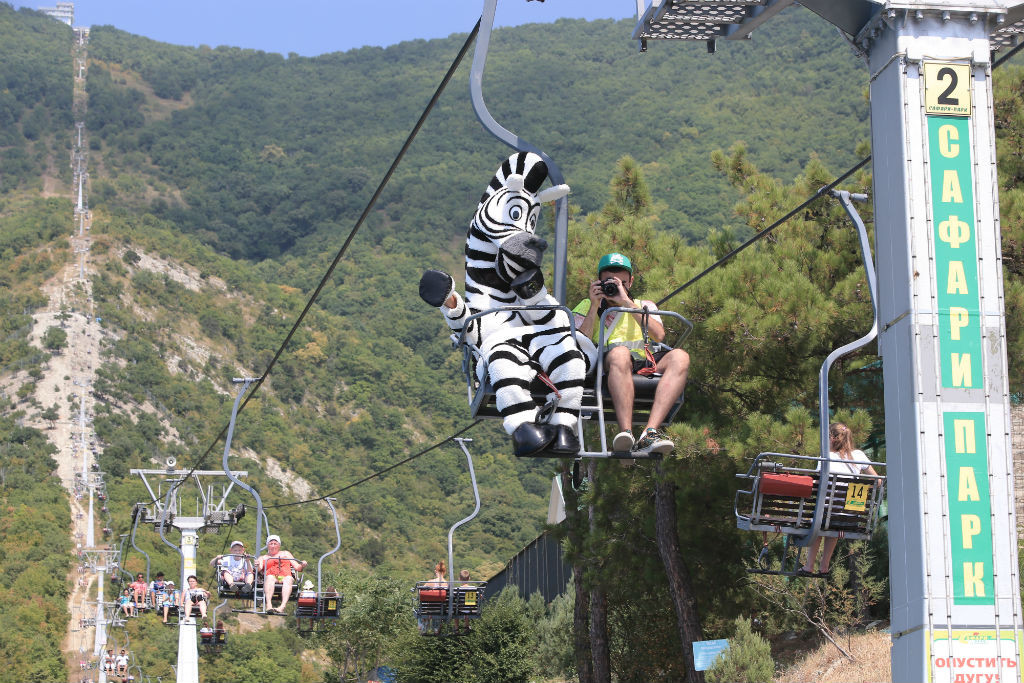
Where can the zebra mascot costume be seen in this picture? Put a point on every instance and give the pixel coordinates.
(503, 259)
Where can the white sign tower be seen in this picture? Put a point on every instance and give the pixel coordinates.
(956, 611)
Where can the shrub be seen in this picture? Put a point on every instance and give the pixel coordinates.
(748, 659)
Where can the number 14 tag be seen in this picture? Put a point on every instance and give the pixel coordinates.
(857, 497)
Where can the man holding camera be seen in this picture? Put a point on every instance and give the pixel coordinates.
(626, 354)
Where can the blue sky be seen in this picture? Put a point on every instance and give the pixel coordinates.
(313, 27)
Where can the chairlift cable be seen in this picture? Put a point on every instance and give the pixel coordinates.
(764, 233)
(348, 241)
(823, 191)
(381, 472)
(1009, 54)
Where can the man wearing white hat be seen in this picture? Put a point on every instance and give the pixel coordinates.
(235, 568)
(277, 565)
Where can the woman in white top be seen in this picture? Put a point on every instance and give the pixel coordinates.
(844, 459)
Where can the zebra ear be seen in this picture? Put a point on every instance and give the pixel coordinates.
(515, 182)
(552, 193)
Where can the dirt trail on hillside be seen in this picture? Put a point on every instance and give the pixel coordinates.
(65, 383)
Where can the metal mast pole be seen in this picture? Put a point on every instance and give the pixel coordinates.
(953, 551)
(956, 609)
(212, 514)
(90, 532)
(101, 616)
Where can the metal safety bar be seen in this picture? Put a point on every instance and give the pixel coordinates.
(599, 374)
(470, 352)
(787, 513)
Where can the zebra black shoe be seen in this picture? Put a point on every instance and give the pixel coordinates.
(566, 443)
(530, 439)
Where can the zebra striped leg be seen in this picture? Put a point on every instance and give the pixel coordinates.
(556, 351)
(510, 373)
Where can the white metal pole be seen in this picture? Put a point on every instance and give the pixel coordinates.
(188, 649)
(90, 533)
(101, 614)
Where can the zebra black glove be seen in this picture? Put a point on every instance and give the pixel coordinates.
(436, 286)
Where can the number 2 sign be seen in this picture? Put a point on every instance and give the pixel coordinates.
(947, 89)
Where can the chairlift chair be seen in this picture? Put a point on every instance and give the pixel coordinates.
(434, 605)
(313, 608)
(596, 400)
(236, 589)
(596, 404)
(262, 600)
(259, 598)
(784, 493)
(214, 638)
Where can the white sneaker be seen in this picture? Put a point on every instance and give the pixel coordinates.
(622, 442)
(653, 441)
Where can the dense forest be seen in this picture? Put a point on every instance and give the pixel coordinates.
(222, 183)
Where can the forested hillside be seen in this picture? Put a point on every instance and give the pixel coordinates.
(272, 159)
(255, 153)
(222, 183)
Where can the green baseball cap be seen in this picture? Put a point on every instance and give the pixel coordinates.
(615, 260)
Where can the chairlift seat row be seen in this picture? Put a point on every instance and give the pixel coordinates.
(312, 605)
(214, 636)
(482, 400)
(782, 499)
(433, 601)
(235, 589)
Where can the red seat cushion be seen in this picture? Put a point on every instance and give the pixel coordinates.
(784, 484)
(433, 594)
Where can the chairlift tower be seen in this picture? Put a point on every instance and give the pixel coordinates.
(956, 610)
(82, 175)
(100, 560)
(163, 511)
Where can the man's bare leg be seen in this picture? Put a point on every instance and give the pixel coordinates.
(674, 368)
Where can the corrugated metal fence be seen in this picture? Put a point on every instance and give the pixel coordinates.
(537, 567)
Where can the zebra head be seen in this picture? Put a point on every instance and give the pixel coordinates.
(511, 203)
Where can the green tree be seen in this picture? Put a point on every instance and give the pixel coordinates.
(55, 339)
(499, 648)
(375, 609)
(51, 415)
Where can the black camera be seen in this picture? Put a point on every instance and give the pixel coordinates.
(610, 287)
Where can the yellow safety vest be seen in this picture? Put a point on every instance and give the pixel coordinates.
(624, 329)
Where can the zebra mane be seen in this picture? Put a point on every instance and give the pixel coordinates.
(529, 167)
